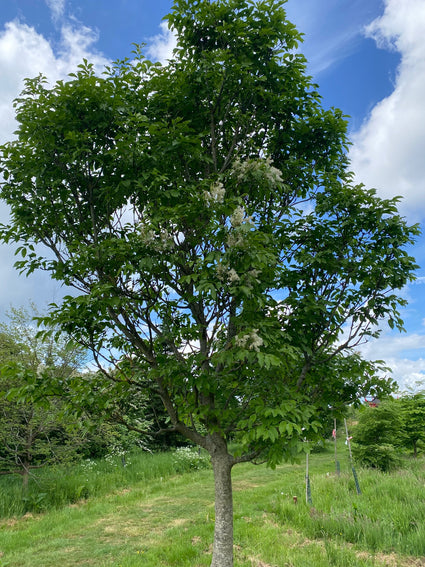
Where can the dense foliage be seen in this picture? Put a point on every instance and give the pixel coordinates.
(385, 432)
(377, 436)
(413, 416)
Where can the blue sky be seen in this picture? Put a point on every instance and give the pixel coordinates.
(368, 57)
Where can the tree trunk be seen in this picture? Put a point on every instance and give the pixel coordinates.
(222, 464)
(25, 476)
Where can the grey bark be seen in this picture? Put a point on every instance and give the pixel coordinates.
(222, 464)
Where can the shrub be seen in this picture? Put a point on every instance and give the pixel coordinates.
(377, 437)
(384, 457)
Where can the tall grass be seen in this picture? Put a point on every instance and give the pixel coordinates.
(388, 516)
(55, 487)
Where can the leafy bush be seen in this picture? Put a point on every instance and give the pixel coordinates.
(377, 437)
(384, 457)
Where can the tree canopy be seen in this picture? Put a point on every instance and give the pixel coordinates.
(205, 217)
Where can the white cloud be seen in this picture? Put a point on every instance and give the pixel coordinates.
(390, 345)
(23, 53)
(394, 350)
(77, 43)
(409, 374)
(57, 7)
(389, 148)
(161, 46)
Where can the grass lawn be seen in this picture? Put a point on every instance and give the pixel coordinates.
(170, 521)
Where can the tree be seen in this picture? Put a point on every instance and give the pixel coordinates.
(50, 411)
(413, 416)
(377, 437)
(204, 214)
(33, 430)
(133, 416)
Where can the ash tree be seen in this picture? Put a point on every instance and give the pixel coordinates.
(204, 215)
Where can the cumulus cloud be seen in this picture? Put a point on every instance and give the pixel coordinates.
(409, 374)
(161, 46)
(23, 53)
(390, 344)
(26, 53)
(388, 151)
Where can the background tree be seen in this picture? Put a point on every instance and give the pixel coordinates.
(33, 429)
(205, 217)
(377, 437)
(413, 414)
(51, 412)
(116, 403)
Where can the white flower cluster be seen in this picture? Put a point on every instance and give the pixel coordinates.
(189, 458)
(271, 173)
(237, 217)
(252, 341)
(233, 276)
(230, 275)
(257, 168)
(254, 273)
(235, 240)
(158, 242)
(227, 274)
(221, 270)
(236, 237)
(215, 194)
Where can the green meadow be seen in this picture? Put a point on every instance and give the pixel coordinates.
(158, 511)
